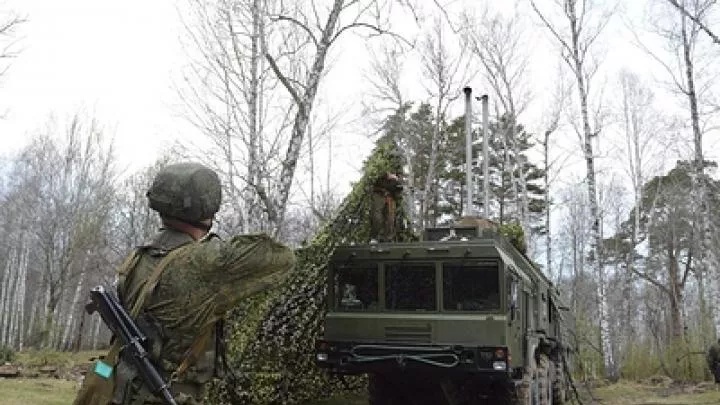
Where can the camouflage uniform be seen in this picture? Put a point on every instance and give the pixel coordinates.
(201, 280)
(386, 192)
(713, 360)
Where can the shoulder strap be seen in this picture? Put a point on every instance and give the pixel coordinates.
(200, 342)
(151, 283)
(195, 349)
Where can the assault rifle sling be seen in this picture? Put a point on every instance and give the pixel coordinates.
(133, 339)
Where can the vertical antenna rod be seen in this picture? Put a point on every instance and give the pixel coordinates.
(486, 175)
(468, 151)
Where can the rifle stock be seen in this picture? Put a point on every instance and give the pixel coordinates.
(134, 340)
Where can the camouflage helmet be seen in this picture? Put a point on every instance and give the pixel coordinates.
(187, 191)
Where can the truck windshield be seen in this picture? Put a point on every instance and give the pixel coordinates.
(356, 288)
(471, 287)
(410, 287)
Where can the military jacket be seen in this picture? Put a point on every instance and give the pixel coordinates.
(201, 282)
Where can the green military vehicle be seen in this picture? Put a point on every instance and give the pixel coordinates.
(461, 317)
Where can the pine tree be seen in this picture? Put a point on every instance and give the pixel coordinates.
(505, 168)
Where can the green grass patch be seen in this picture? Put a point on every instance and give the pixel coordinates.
(39, 358)
(630, 393)
(40, 391)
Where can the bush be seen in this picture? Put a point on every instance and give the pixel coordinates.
(7, 354)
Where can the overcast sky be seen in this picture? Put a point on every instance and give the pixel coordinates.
(117, 61)
(112, 60)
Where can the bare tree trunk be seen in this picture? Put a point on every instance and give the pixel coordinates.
(70, 316)
(304, 106)
(701, 217)
(34, 309)
(546, 178)
(5, 301)
(96, 331)
(17, 293)
(576, 47)
(21, 300)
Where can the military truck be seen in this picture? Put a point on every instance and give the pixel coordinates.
(460, 317)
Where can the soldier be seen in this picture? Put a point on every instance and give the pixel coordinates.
(713, 360)
(181, 284)
(386, 192)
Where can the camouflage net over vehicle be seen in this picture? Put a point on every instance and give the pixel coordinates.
(272, 341)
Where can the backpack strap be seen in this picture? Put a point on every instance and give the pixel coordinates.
(151, 283)
(200, 342)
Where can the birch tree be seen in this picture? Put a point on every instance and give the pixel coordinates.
(261, 66)
(497, 43)
(10, 22)
(695, 18)
(444, 71)
(552, 163)
(584, 23)
(71, 180)
(687, 68)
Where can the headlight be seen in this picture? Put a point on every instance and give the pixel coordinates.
(499, 365)
(322, 357)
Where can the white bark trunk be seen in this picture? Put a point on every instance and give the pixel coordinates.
(10, 297)
(588, 135)
(96, 330)
(15, 303)
(304, 108)
(4, 299)
(21, 300)
(34, 308)
(70, 313)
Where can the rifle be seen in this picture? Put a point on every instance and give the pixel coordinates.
(133, 339)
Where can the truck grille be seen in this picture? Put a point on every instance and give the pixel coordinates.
(409, 333)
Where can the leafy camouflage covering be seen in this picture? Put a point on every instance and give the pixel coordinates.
(515, 234)
(271, 347)
(187, 191)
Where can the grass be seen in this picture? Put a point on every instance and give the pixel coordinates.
(45, 391)
(39, 391)
(39, 358)
(630, 393)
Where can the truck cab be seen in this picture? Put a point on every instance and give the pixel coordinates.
(462, 310)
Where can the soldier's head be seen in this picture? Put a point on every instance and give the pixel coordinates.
(186, 194)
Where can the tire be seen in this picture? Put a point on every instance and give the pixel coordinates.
(380, 391)
(523, 394)
(544, 380)
(559, 382)
(407, 390)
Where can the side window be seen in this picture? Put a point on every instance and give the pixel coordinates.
(529, 312)
(512, 297)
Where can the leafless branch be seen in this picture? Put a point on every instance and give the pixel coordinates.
(696, 20)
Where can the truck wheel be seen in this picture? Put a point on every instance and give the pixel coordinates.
(380, 391)
(544, 381)
(558, 384)
(523, 394)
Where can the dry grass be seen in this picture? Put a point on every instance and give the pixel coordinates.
(629, 393)
(39, 391)
(44, 391)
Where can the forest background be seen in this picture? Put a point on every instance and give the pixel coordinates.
(603, 125)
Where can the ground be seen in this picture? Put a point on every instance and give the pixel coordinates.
(49, 391)
(60, 389)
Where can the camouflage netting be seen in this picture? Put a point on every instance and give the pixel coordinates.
(271, 347)
(515, 234)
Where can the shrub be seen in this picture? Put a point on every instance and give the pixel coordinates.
(7, 354)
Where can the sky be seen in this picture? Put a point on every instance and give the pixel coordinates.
(108, 60)
(118, 62)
